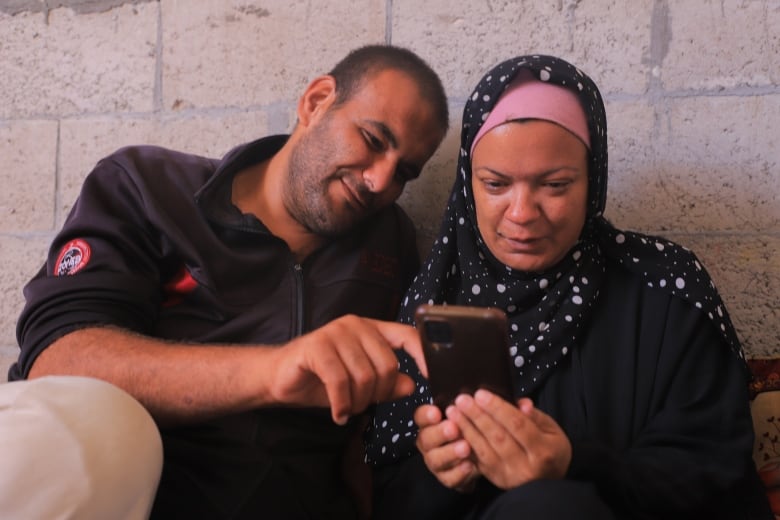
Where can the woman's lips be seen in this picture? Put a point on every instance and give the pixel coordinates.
(521, 244)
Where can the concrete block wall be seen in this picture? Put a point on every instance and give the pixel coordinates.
(692, 90)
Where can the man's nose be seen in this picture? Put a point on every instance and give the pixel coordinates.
(379, 175)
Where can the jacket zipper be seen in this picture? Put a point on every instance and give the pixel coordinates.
(298, 281)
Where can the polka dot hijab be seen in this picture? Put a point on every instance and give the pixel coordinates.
(546, 311)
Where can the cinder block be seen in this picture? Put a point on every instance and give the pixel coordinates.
(717, 44)
(21, 258)
(720, 167)
(611, 42)
(747, 274)
(8, 356)
(233, 53)
(28, 151)
(425, 198)
(85, 142)
(70, 63)
(463, 40)
(632, 131)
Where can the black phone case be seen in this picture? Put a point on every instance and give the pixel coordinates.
(465, 348)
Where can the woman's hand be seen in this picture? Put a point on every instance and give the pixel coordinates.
(510, 445)
(445, 452)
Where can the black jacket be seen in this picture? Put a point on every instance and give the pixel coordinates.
(656, 409)
(154, 245)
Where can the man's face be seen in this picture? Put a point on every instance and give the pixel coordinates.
(355, 158)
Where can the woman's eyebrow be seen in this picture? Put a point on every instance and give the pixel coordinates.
(539, 174)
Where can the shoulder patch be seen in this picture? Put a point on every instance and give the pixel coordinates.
(72, 258)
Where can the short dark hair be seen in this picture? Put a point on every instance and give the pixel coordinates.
(363, 62)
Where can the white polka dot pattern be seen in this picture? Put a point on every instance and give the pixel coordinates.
(546, 311)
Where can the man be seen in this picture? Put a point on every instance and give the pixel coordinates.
(224, 295)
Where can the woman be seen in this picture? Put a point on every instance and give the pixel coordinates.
(630, 380)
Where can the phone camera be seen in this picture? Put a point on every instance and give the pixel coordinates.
(439, 334)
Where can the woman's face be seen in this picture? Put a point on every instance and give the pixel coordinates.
(530, 183)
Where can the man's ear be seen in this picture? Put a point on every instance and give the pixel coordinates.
(316, 99)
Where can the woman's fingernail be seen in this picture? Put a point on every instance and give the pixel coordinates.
(483, 396)
(461, 449)
(463, 401)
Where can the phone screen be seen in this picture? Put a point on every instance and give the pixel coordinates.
(465, 348)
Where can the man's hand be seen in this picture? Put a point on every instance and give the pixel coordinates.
(445, 452)
(347, 364)
(511, 445)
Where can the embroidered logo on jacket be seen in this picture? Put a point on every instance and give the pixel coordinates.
(380, 264)
(179, 286)
(73, 257)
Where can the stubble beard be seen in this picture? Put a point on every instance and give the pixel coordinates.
(305, 195)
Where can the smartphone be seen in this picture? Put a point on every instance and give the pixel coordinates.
(465, 348)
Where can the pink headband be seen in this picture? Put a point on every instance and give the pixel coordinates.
(529, 98)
